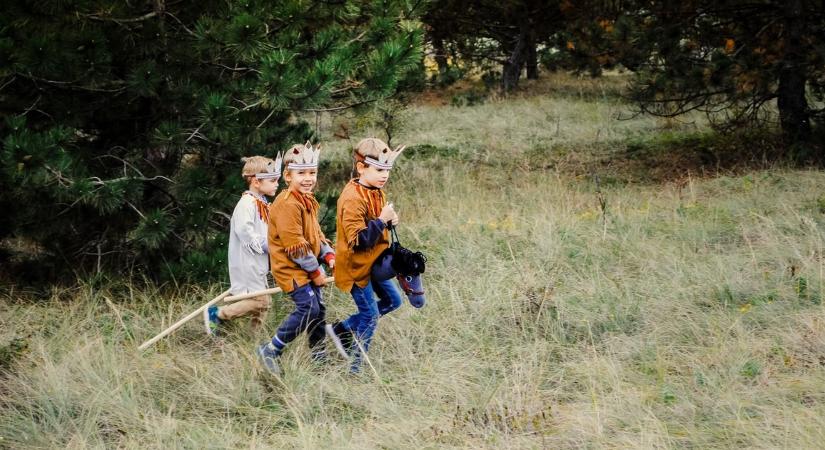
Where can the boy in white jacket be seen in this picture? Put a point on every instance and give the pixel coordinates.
(248, 250)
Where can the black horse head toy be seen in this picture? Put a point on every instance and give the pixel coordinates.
(404, 264)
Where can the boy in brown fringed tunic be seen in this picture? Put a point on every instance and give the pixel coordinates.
(362, 220)
(297, 246)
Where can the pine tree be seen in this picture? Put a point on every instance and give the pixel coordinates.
(732, 59)
(124, 122)
(502, 32)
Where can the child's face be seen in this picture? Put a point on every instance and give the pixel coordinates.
(302, 180)
(371, 176)
(266, 186)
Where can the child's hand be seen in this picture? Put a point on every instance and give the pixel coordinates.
(329, 259)
(395, 220)
(320, 279)
(388, 214)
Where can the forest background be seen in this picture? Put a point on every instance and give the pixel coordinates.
(621, 203)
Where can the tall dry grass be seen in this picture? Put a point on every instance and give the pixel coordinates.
(680, 315)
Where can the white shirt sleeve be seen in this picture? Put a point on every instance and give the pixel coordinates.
(243, 221)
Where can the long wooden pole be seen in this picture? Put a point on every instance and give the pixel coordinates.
(225, 297)
(239, 297)
(180, 322)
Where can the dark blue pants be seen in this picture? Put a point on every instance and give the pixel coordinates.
(309, 316)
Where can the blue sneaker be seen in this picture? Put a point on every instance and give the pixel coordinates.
(211, 320)
(269, 358)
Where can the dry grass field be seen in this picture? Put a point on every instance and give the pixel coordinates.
(579, 296)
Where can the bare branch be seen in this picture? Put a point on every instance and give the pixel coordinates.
(341, 108)
(266, 118)
(120, 21)
(11, 80)
(190, 32)
(236, 69)
(250, 106)
(222, 214)
(30, 108)
(72, 85)
(135, 209)
(195, 132)
(98, 182)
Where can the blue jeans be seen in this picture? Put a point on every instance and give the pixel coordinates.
(365, 321)
(309, 315)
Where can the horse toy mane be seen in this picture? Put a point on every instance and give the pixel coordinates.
(405, 261)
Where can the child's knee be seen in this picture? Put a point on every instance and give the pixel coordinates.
(371, 313)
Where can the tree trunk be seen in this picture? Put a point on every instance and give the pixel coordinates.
(511, 71)
(791, 101)
(440, 53)
(532, 59)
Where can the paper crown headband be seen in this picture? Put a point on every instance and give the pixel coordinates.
(385, 155)
(304, 157)
(273, 169)
(262, 167)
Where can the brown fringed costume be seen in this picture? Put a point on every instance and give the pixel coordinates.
(357, 206)
(293, 232)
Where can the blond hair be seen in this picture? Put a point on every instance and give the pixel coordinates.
(254, 165)
(370, 147)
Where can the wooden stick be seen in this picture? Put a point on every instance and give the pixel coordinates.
(226, 298)
(239, 297)
(180, 322)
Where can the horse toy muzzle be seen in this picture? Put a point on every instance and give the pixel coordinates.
(413, 286)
